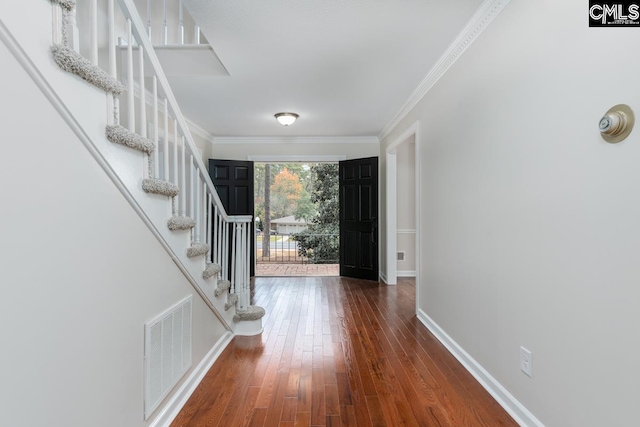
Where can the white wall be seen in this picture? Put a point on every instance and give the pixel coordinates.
(80, 275)
(530, 220)
(204, 146)
(406, 211)
(242, 151)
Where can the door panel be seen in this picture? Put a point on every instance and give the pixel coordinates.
(358, 218)
(233, 180)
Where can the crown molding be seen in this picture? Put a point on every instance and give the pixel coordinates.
(313, 158)
(485, 14)
(296, 140)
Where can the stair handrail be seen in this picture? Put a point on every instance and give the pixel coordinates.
(224, 239)
(240, 234)
(128, 7)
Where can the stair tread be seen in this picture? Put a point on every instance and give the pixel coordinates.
(71, 61)
(232, 299)
(120, 135)
(253, 312)
(181, 223)
(158, 186)
(197, 249)
(223, 286)
(211, 270)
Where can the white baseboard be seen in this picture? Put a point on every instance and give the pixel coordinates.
(519, 413)
(383, 277)
(180, 397)
(406, 273)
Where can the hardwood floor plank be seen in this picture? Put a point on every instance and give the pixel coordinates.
(289, 409)
(331, 400)
(333, 421)
(318, 413)
(304, 394)
(276, 404)
(344, 391)
(303, 419)
(348, 416)
(375, 412)
(339, 352)
(257, 417)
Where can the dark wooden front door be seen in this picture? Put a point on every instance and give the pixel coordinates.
(233, 180)
(359, 218)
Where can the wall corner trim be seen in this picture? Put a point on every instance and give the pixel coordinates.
(383, 277)
(180, 397)
(480, 20)
(505, 399)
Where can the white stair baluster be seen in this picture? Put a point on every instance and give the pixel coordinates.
(112, 39)
(215, 236)
(58, 26)
(175, 164)
(94, 32)
(243, 263)
(203, 212)
(180, 22)
(156, 130)
(196, 34)
(72, 30)
(165, 163)
(131, 122)
(183, 199)
(149, 19)
(115, 120)
(233, 256)
(142, 106)
(165, 29)
(196, 209)
(225, 249)
(209, 229)
(191, 176)
(247, 258)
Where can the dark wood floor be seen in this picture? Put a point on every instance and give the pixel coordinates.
(339, 352)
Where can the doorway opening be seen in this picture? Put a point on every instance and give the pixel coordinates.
(403, 238)
(296, 219)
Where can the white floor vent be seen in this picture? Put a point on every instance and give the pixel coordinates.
(167, 353)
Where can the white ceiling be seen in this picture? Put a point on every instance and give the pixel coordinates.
(345, 66)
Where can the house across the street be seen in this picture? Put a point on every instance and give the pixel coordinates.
(288, 225)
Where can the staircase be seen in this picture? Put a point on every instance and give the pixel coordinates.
(148, 147)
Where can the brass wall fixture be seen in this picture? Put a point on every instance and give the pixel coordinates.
(617, 123)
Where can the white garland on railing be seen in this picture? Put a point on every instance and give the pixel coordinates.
(71, 61)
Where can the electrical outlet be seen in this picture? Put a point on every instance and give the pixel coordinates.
(400, 256)
(526, 361)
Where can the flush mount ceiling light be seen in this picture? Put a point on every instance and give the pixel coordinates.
(286, 119)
